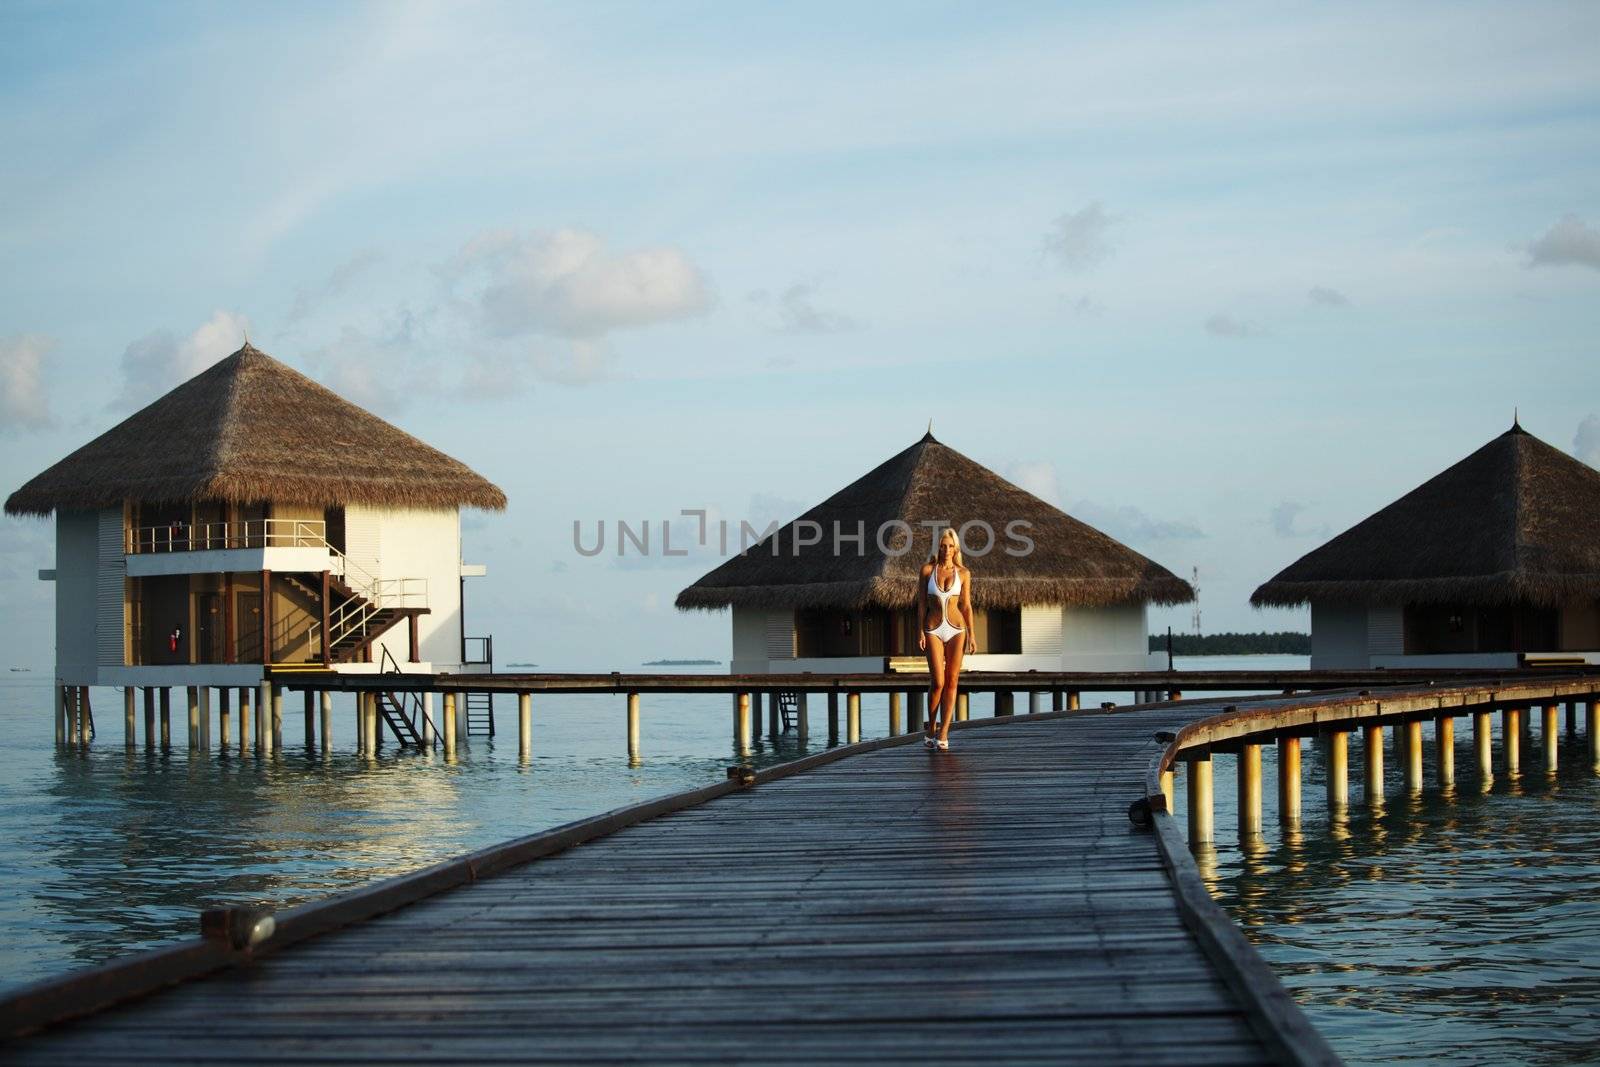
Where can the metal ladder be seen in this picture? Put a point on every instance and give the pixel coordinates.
(480, 714)
(789, 709)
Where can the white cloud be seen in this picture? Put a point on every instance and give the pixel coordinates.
(309, 298)
(159, 361)
(1586, 443)
(566, 283)
(1078, 239)
(24, 403)
(1567, 242)
(1037, 477)
(1228, 326)
(1285, 521)
(797, 311)
(1322, 296)
(1124, 522)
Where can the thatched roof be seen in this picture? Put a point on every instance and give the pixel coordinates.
(1516, 521)
(250, 429)
(1071, 563)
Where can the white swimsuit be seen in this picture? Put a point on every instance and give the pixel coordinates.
(944, 631)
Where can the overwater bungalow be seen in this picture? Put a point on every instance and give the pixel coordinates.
(253, 517)
(1493, 563)
(1049, 592)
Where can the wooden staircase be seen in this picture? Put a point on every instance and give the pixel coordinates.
(350, 645)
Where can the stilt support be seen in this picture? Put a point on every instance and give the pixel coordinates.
(1289, 781)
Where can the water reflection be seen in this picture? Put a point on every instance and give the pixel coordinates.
(1458, 925)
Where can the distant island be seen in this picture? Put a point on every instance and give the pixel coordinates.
(682, 663)
(521, 664)
(1283, 643)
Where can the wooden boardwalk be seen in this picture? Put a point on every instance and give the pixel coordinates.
(990, 903)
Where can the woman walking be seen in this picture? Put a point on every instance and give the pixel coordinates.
(944, 613)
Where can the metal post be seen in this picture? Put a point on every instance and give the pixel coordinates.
(1338, 770)
(1250, 790)
(1444, 745)
(1373, 751)
(1202, 825)
(1413, 735)
(1511, 740)
(1289, 781)
(833, 717)
(525, 726)
(1551, 739)
(853, 717)
(894, 713)
(633, 726)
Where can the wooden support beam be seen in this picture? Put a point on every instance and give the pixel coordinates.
(266, 623)
(230, 637)
(1338, 770)
(1035, 705)
(1167, 788)
(429, 735)
(1591, 725)
(1058, 702)
(774, 717)
(803, 717)
(1412, 730)
(1202, 816)
(1511, 740)
(894, 713)
(264, 734)
(205, 719)
(1250, 791)
(244, 720)
(327, 721)
(415, 644)
(166, 718)
(129, 717)
(1004, 703)
(327, 635)
(1483, 745)
(194, 717)
(311, 718)
(741, 723)
(1372, 750)
(833, 716)
(224, 720)
(1175, 694)
(633, 727)
(525, 725)
(63, 715)
(1550, 738)
(1289, 781)
(852, 703)
(277, 718)
(1444, 746)
(1072, 700)
(755, 713)
(149, 716)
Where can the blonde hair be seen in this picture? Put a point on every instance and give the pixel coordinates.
(937, 541)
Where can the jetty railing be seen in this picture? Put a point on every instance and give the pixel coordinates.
(213, 536)
(1331, 719)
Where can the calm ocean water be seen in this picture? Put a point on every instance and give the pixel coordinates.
(1460, 930)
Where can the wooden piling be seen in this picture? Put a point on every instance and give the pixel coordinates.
(1372, 750)
(1004, 703)
(149, 716)
(1550, 738)
(1249, 790)
(1572, 718)
(327, 720)
(1175, 694)
(85, 715)
(774, 717)
(129, 723)
(1413, 755)
(1444, 747)
(1058, 699)
(633, 726)
(1591, 725)
(1167, 788)
(429, 735)
(61, 714)
(894, 713)
(166, 718)
(1072, 700)
(277, 718)
(802, 719)
(205, 719)
(963, 705)
(741, 722)
(1483, 745)
(1511, 740)
(914, 716)
(853, 717)
(311, 718)
(449, 726)
(224, 720)
(1035, 705)
(265, 736)
(833, 717)
(1289, 781)
(194, 717)
(244, 719)
(1338, 770)
(1197, 779)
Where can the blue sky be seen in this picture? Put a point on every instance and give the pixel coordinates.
(1219, 279)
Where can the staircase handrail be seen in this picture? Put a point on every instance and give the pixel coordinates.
(389, 665)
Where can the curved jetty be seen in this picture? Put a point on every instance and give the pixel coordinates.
(990, 902)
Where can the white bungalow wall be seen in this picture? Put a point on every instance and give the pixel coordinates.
(414, 544)
(1339, 639)
(77, 596)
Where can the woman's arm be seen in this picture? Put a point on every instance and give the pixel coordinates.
(922, 608)
(966, 611)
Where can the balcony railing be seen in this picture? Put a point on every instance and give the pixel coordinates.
(204, 536)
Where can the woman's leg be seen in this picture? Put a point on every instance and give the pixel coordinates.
(953, 651)
(935, 681)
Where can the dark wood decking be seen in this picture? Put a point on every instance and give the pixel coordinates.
(990, 903)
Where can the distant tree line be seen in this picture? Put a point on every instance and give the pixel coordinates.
(1283, 643)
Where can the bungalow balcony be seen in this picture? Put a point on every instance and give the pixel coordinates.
(195, 547)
